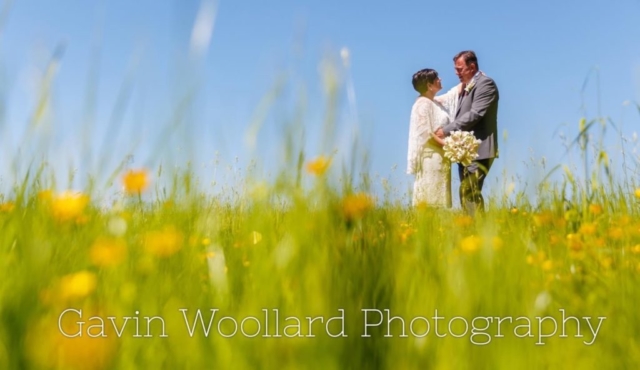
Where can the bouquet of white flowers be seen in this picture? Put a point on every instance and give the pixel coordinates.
(461, 147)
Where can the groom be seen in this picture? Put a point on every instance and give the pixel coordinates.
(477, 112)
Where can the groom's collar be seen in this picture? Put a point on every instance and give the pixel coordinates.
(472, 82)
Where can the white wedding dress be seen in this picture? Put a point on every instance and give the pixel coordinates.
(432, 186)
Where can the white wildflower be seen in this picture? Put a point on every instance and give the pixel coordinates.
(542, 301)
(284, 252)
(218, 269)
(117, 226)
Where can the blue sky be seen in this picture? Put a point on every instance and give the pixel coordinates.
(540, 54)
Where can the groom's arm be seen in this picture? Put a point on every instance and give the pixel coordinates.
(485, 95)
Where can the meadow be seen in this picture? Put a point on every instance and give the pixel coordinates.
(79, 281)
(313, 269)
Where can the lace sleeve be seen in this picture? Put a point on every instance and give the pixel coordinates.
(450, 101)
(420, 130)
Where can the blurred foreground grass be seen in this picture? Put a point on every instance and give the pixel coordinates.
(310, 253)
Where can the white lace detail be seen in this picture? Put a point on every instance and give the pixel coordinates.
(425, 157)
(450, 101)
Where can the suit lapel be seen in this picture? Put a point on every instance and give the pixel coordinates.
(460, 101)
(475, 82)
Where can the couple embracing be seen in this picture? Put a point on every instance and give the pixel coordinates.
(472, 105)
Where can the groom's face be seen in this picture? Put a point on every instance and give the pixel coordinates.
(463, 71)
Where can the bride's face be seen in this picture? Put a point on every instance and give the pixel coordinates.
(436, 85)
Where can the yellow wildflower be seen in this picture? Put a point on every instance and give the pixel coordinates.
(514, 210)
(637, 193)
(46, 347)
(559, 223)
(318, 166)
(535, 259)
(547, 265)
(355, 206)
(595, 209)
(574, 243)
(163, 243)
(78, 285)
(554, 239)
(587, 228)
(542, 219)
(470, 244)
(135, 181)
(69, 206)
(7, 207)
(616, 233)
(406, 232)
(606, 262)
(106, 252)
(463, 221)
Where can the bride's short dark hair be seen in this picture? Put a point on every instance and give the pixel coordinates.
(423, 78)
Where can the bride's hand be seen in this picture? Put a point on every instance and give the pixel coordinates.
(437, 139)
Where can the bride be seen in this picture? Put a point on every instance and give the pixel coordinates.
(432, 185)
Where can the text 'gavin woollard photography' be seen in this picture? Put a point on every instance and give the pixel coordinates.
(270, 323)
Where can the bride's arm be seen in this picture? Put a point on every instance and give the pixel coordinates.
(419, 133)
(450, 98)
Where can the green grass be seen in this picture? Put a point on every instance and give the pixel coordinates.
(319, 251)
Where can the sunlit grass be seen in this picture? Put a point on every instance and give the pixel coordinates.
(319, 251)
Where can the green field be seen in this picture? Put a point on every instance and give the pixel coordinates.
(132, 277)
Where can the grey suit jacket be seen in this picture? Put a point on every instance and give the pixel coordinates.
(478, 112)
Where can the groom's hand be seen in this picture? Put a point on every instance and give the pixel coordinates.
(439, 133)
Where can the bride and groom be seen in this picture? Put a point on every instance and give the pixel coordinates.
(472, 105)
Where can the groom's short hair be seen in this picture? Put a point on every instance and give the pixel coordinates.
(468, 56)
(423, 78)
